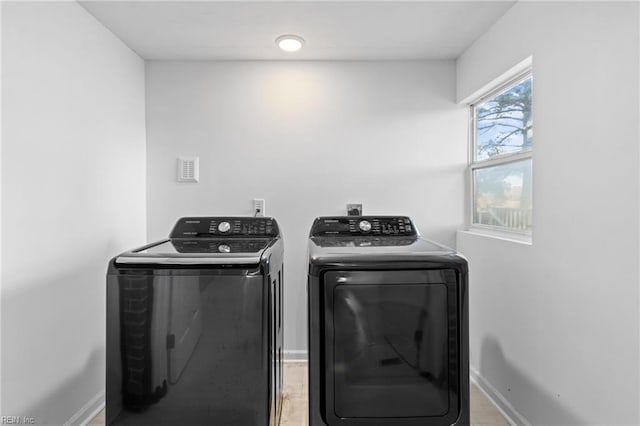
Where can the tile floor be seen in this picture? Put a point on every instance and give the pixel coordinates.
(295, 406)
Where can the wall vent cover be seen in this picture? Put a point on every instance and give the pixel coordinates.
(188, 169)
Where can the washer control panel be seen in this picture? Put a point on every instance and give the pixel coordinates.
(364, 225)
(380, 226)
(209, 227)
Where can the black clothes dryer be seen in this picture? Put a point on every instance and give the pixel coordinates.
(194, 326)
(388, 325)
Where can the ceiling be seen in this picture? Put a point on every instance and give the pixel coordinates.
(333, 30)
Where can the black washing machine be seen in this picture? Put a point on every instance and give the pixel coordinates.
(388, 325)
(194, 326)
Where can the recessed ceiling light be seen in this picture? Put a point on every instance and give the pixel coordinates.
(290, 42)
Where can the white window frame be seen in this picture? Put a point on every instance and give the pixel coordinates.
(498, 160)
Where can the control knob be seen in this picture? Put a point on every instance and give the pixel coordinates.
(223, 248)
(224, 227)
(365, 226)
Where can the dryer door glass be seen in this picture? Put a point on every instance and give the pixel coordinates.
(394, 340)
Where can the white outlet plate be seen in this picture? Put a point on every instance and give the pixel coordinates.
(258, 206)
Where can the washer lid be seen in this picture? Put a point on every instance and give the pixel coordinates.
(220, 245)
(210, 251)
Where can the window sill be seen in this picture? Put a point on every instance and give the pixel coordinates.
(524, 239)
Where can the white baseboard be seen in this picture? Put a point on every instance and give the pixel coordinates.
(88, 411)
(497, 399)
(295, 355)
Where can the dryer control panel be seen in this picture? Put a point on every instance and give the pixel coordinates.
(214, 227)
(379, 226)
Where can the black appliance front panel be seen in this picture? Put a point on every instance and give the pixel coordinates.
(391, 347)
(193, 347)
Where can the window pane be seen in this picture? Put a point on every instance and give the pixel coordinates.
(504, 122)
(502, 195)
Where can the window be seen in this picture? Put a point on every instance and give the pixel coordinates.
(500, 169)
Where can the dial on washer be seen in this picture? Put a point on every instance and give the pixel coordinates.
(224, 226)
(365, 226)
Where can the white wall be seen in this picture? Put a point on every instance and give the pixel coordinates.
(308, 137)
(554, 325)
(73, 195)
(1, 80)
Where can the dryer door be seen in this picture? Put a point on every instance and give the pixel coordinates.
(391, 347)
